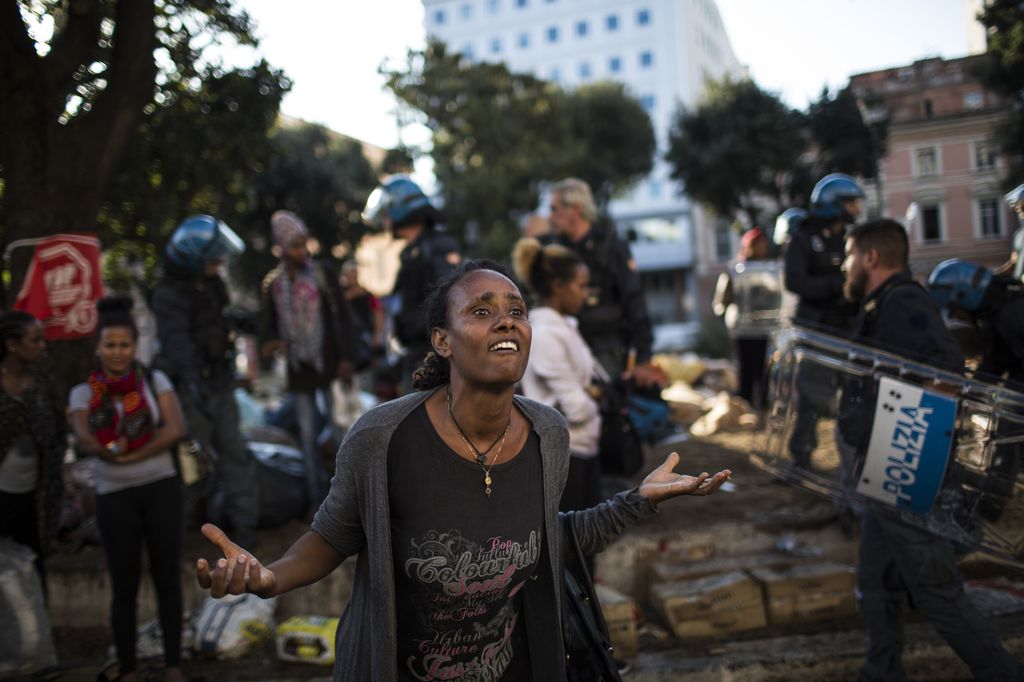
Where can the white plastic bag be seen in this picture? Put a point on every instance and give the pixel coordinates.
(232, 626)
(26, 643)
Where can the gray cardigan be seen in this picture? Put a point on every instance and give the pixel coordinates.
(355, 520)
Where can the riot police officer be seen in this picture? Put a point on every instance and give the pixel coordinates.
(813, 271)
(897, 560)
(399, 205)
(197, 352)
(1015, 200)
(614, 319)
(995, 303)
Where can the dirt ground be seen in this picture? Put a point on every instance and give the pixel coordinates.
(755, 516)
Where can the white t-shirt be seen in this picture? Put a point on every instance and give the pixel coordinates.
(113, 477)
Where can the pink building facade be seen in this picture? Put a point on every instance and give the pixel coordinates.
(941, 158)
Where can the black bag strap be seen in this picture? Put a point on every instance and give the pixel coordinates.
(582, 617)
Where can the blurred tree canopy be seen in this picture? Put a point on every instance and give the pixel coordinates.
(84, 82)
(320, 175)
(738, 147)
(845, 143)
(1003, 72)
(498, 135)
(193, 153)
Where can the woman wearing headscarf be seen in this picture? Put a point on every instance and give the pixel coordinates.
(306, 318)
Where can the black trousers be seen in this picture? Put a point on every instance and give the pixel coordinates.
(19, 521)
(150, 514)
(750, 358)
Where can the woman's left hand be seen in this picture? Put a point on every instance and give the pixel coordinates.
(664, 483)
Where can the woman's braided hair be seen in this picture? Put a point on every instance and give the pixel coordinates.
(435, 370)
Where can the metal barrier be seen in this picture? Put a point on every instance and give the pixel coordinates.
(935, 449)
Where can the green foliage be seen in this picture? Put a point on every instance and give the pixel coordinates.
(497, 135)
(845, 143)
(615, 139)
(323, 177)
(1003, 72)
(741, 144)
(196, 152)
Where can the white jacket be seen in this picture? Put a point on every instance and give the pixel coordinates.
(560, 369)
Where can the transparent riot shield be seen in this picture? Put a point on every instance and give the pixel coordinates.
(760, 303)
(868, 428)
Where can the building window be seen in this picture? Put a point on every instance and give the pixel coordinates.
(931, 224)
(647, 101)
(612, 22)
(926, 161)
(493, 6)
(646, 59)
(581, 29)
(585, 70)
(521, 3)
(986, 154)
(989, 213)
(524, 40)
(466, 11)
(723, 240)
(553, 34)
(929, 109)
(614, 65)
(467, 51)
(439, 17)
(495, 45)
(974, 99)
(643, 17)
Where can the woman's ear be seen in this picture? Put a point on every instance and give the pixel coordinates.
(439, 340)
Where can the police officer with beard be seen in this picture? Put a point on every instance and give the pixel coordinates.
(813, 271)
(197, 352)
(400, 206)
(896, 560)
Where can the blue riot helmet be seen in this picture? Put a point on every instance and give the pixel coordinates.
(401, 200)
(787, 224)
(829, 194)
(955, 282)
(200, 239)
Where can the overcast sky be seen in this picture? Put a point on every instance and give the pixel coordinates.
(332, 48)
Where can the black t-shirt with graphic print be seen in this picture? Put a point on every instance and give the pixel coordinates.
(461, 557)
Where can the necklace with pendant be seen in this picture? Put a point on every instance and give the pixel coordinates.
(481, 457)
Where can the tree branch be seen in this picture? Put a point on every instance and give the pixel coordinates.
(72, 47)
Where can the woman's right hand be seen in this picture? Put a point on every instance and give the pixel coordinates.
(238, 572)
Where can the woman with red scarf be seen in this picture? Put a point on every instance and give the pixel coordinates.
(130, 419)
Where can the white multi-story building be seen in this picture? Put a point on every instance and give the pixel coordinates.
(664, 51)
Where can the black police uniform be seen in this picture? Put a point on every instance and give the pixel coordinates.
(1002, 320)
(896, 560)
(813, 271)
(197, 352)
(614, 317)
(424, 261)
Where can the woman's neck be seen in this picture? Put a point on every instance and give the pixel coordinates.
(481, 413)
(13, 367)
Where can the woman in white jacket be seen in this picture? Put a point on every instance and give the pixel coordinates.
(561, 366)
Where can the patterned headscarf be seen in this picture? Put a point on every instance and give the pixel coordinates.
(286, 226)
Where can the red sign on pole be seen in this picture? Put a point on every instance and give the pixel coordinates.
(62, 284)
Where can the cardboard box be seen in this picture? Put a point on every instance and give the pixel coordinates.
(808, 592)
(675, 571)
(710, 606)
(620, 614)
